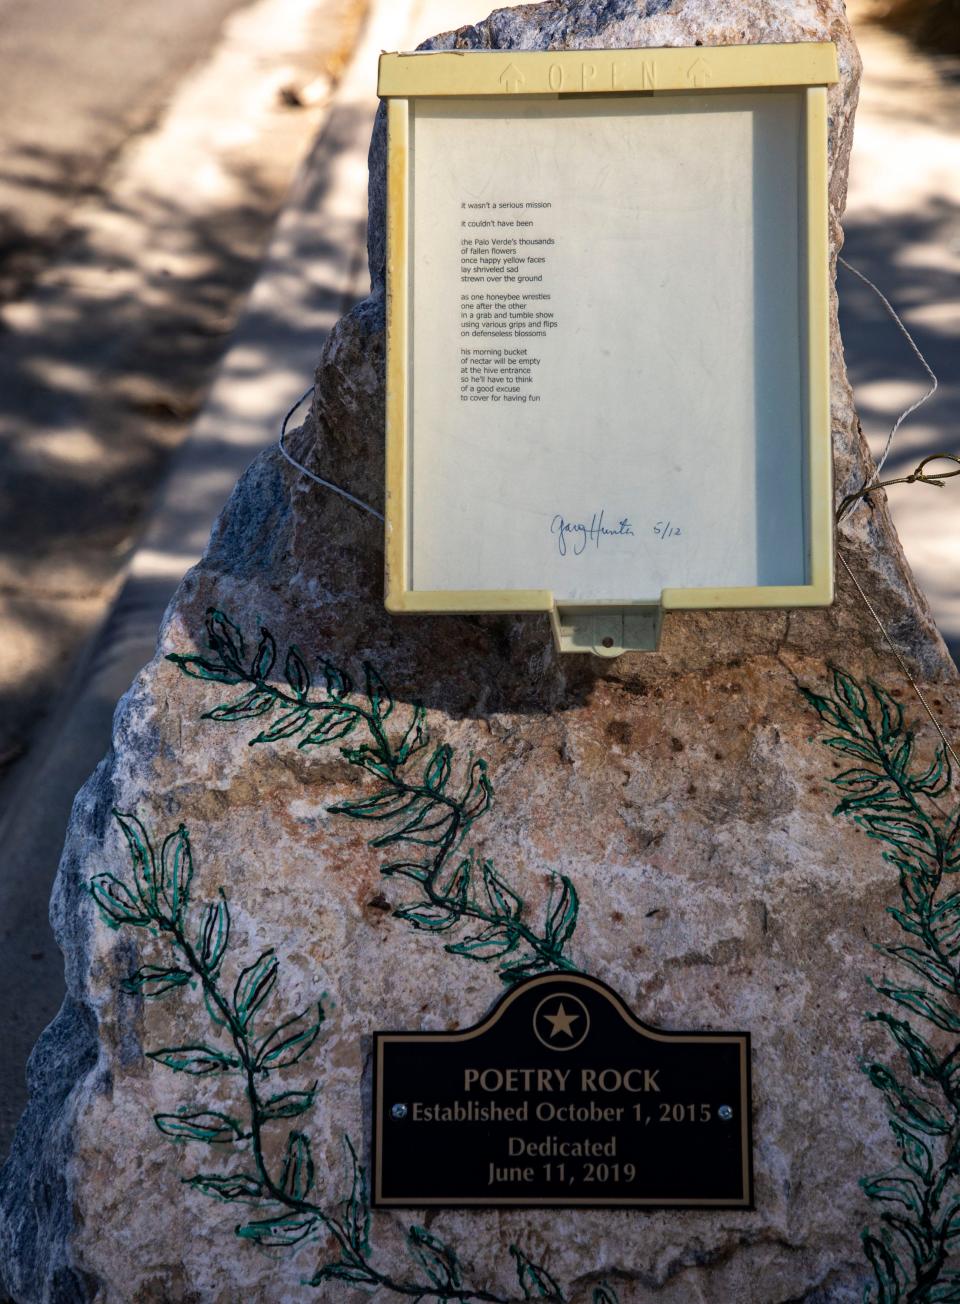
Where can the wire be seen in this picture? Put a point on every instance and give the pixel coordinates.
(327, 484)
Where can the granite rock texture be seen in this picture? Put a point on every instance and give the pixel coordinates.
(681, 792)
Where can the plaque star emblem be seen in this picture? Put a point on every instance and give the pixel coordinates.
(562, 1022)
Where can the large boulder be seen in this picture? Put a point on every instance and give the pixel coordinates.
(199, 1110)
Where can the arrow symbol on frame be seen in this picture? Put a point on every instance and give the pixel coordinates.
(511, 79)
(698, 74)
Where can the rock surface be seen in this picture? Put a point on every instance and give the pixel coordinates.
(680, 792)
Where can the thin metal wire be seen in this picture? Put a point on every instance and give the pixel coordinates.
(910, 340)
(874, 484)
(327, 484)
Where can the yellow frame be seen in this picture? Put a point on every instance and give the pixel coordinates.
(608, 627)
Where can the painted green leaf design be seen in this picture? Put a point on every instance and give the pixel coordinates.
(381, 700)
(923, 1059)
(195, 1060)
(247, 707)
(416, 737)
(488, 945)
(338, 682)
(437, 1259)
(902, 1190)
(562, 912)
(333, 725)
(286, 726)
(604, 1295)
(264, 657)
(915, 1151)
(288, 1104)
(280, 1232)
(433, 918)
(177, 873)
(534, 1280)
(203, 668)
(921, 1003)
(142, 858)
(207, 1125)
(438, 768)
(354, 1273)
(289, 1041)
(117, 903)
(153, 980)
(214, 935)
(357, 1205)
(298, 1172)
(885, 1269)
(225, 639)
(254, 986)
(232, 1187)
(917, 1111)
(296, 672)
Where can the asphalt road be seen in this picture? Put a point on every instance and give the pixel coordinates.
(79, 78)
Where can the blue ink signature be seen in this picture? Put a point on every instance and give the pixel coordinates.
(573, 536)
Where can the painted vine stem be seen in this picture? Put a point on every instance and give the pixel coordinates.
(158, 900)
(415, 801)
(901, 805)
(416, 808)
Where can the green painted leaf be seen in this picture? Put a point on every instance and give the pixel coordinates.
(901, 1190)
(254, 986)
(285, 727)
(605, 1294)
(383, 805)
(204, 1125)
(117, 903)
(562, 910)
(216, 1014)
(909, 835)
(290, 1041)
(492, 942)
(225, 639)
(438, 769)
(288, 1104)
(296, 672)
(195, 1060)
(351, 1272)
(356, 1209)
(917, 1111)
(915, 1151)
(503, 900)
(533, 1278)
(848, 692)
(884, 1268)
(177, 873)
(201, 668)
(479, 794)
(339, 683)
(916, 1233)
(425, 915)
(923, 1059)
(264, 657)
(256, 702)
(332, 725)
(864, 751)
(298, 1173)
(416, 737)
(919, 1002)
(900, 756)
(923, 963)
(282, 1231)
(453, 888)
(828, 710)
(426, 824)
(381, 701)
(437, 1259)
(230, 1187)
(214, 934)
(859, 780)
(891, 713)
(142, 858)
(407, 869)
(937, 778)
(153, 980)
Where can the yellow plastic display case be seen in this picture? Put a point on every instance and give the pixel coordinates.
(608, 625)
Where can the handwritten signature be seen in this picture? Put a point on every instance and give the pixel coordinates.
(574, 536)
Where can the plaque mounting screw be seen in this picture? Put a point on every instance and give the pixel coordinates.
(399, 1111)
(724, 1112)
